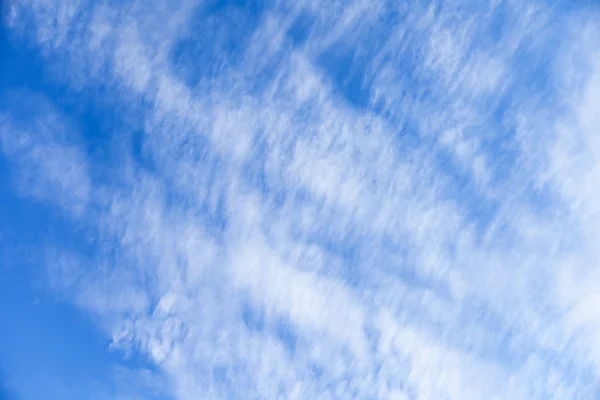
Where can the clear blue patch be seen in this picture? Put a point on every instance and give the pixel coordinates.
(285, 333)
(219, 36)
(301, 28)
(253, 318)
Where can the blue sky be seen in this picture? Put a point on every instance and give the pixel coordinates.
(307, 199)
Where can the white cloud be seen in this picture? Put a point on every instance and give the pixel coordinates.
(48, 164)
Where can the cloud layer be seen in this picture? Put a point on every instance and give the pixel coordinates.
(326, 199)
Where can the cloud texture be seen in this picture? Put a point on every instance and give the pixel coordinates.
(324, 199)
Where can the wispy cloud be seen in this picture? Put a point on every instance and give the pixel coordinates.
(48, 162)
(365, 200)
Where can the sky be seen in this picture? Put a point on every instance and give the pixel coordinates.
(306, 199)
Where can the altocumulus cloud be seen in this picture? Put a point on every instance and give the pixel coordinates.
(325, 199)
